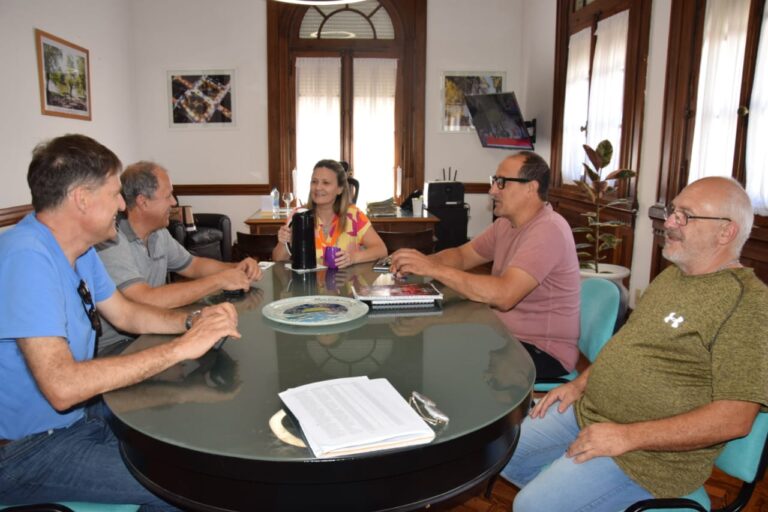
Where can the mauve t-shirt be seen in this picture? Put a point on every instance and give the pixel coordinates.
(548, 317)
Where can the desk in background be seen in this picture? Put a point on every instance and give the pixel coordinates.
(265, 222)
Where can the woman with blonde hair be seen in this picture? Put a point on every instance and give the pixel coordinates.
(338, 223)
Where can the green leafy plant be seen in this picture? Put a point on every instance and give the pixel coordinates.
(600, 235)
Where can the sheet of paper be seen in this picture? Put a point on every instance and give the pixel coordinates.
(355, 415)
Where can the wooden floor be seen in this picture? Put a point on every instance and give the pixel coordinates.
(721, 489)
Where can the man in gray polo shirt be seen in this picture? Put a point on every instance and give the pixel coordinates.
(143, 252)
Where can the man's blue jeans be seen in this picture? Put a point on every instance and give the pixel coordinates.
(78, 463)
(551, 481)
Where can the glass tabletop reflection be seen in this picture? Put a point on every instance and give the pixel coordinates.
(461, 357)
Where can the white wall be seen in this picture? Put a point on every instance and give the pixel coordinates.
(133, 43)
(650, 155)
(470, 36)
(97, 25)
(174, 35)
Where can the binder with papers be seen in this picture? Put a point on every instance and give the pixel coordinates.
(354, 415)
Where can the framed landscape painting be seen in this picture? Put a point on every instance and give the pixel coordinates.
(64, 74)
(456, 85)
(201, 98)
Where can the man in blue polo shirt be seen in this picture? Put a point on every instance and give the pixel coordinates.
(54, 442)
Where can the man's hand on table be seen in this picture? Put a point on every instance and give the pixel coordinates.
(411, 261)
(251, 269)
(234, 279)
(213, 324)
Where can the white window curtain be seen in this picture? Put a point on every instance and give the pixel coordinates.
(318, 116)
(717, 101)
(606, 94)
(575, 109)
(374, 82)
(757, 133)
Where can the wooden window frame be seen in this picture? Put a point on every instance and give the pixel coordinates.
(683, 59)
(409, 20)
(567, 199)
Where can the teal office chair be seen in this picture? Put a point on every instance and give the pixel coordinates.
(599, 308)
(70, 506)
(744, 458)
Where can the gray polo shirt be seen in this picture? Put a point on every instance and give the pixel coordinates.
(129, 260)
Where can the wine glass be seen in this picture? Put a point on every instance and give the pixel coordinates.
(288, 199)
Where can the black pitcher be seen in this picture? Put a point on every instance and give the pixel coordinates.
(303, 240)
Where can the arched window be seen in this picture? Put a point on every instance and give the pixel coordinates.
(346, 82)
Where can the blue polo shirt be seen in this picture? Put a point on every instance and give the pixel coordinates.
(38, 298)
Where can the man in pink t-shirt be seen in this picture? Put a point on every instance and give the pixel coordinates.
(534, 285)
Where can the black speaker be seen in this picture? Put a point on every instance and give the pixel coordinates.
(443, 193)
(451, 231)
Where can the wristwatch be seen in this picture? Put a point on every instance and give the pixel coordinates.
(191, 318)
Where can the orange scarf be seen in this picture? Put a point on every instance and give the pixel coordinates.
(320, 240)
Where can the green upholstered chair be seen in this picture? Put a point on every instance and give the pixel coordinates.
(599, 308)
(744, 458)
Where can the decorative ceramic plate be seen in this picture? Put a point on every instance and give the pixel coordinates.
(314, 310)
(305, 270)
(317, 330)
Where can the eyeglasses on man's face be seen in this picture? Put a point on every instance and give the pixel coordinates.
(500, 181)
(682, 217)
(89, 306)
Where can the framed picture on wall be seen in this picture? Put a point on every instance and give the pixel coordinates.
(456, 85)
(63, 69)
(201, 98)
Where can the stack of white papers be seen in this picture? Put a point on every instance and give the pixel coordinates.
(355, 415)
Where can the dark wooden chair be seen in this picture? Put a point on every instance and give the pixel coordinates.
(255, 246)
(420, 240)
(354, 189)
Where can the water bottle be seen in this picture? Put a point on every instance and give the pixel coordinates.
(275, 195)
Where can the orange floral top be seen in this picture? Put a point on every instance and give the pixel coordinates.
(348, 239)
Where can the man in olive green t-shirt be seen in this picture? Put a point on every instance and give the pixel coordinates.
(688, 372)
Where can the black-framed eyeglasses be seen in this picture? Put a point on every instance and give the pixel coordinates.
(500, 181)
(89, 307)
(681, 218)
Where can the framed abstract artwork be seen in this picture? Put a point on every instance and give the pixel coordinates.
(201, 98)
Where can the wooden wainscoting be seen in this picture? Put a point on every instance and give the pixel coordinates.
(12, 215)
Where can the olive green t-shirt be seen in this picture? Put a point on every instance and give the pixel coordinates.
(690, 341)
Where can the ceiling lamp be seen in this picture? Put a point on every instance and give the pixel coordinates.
(320, 2)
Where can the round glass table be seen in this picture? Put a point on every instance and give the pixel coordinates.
(207, 434)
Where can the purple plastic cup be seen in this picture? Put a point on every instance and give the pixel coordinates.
(329, 256)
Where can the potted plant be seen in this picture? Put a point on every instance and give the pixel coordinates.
(600, 234)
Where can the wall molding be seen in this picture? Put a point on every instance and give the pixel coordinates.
(476, 188)
(214, 189)
(263, 189)
(12, 215)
